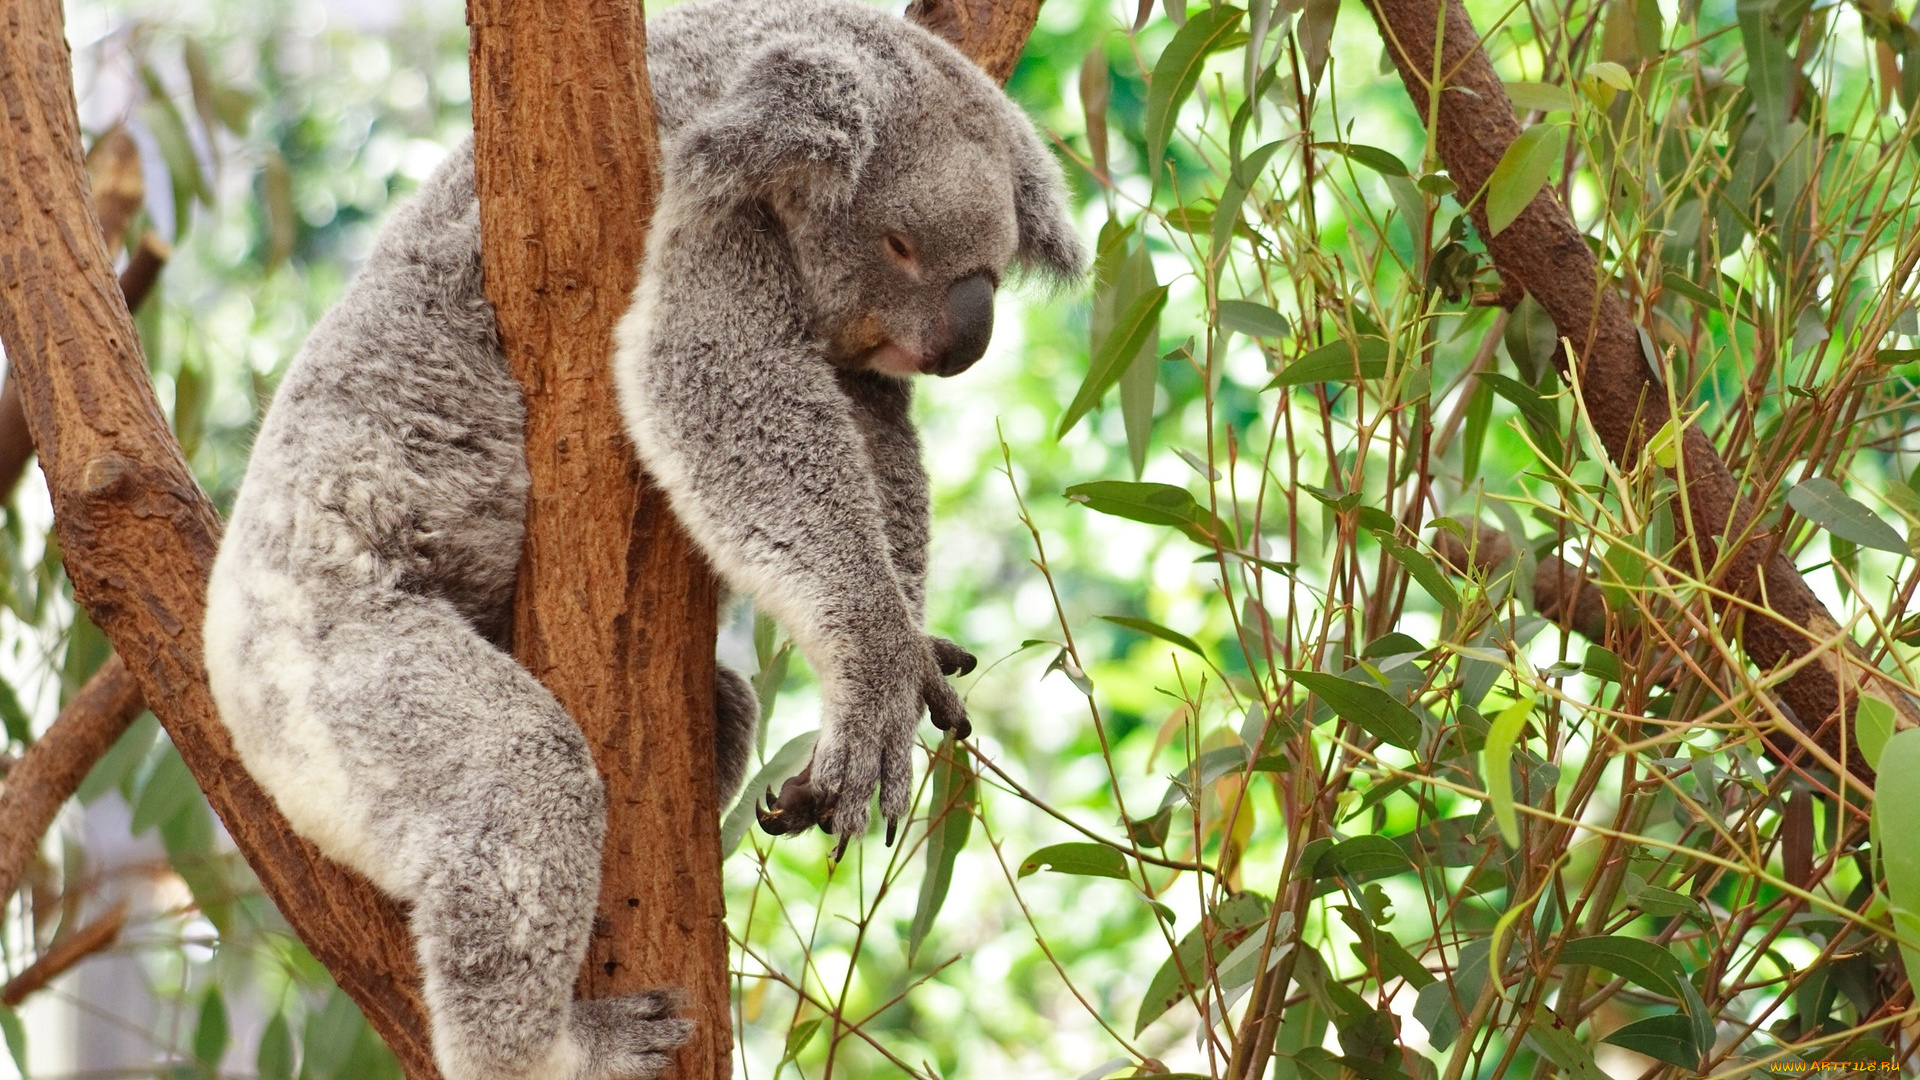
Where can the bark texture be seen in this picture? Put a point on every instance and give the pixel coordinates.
(566, 166)
(50, 770)
(1545, 253)
(992, 33)
(137, 533)
(615, 610)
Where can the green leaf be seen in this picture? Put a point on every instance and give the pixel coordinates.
(1233, 196)
(784, 763)
(1611, 74)
(1253, 320)
(1563, 1049)
(1667, 1037)
(210, 1034)
(1872, 726)
(1178, 975)
(1601, 663)
(1495, 758)
(1081, 858)
(1422, 570)
(1372, 708)
(1821, 501)
(1769, 71)
(1153, 504)
(1154, 629)
(1651, 967)
(1142, 375)
(1521, 173)
(1896, 799)
(1380, 161)
(1539, 412)
(1473, 438)
(1544, 97)
(1364, 858)
(330, 1038)
(19, 728)
(1340, 361)
(118, 763)
(168, 790)
(1675, 283)
(16, 1034)
(1316, 36)
(274, 1058)
(1133, 329)
(1177, 72)
(799, 1037)
(950, 821)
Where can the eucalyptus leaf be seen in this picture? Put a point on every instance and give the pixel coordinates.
(1177, 72)
(1340, 361)
(1134, 328)
(1822, 502)
(1371, 708)
(1522, 173)
(1080, 857)
(949, 823)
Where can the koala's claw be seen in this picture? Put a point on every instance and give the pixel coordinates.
(797, 806)
(953, 659)
(893, 824)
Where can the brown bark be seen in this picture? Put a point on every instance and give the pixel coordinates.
(137, 533)
(63, 954)
(1563, 594)
(615, 611)
(1545, 253)
(565, 163)
(50, 770)
(992, 33)
(16, 444)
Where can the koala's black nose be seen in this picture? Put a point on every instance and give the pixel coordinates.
(970, 307)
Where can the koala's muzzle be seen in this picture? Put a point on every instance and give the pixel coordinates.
(970, 314)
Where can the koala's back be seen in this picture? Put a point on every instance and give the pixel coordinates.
(392, 456)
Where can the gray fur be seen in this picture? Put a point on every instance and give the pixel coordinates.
(361, 599)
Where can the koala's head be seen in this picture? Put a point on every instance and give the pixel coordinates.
(907, 184)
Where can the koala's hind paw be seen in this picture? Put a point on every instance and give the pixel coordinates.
(630, 1038)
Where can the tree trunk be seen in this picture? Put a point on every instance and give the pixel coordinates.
(615, 611)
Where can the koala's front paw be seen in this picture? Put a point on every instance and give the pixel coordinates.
(869, 746)
(630, 1038)
(798, 806)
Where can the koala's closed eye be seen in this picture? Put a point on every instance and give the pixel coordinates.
(901, 251)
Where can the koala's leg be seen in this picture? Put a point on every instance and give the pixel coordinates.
(736, 720)
(405, 745)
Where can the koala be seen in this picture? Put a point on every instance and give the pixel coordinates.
(842, 193)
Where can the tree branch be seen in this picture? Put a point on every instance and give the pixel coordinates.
(50, 770)
(1545, 253)
(63, 954)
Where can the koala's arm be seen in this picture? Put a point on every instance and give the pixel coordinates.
(739, 416)
(883, 408)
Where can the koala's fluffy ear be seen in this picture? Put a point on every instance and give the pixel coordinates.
(797, 126)
(1047, 244)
